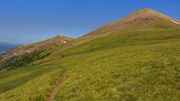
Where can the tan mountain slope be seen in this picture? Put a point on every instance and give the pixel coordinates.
(30, 48)
(140, 19)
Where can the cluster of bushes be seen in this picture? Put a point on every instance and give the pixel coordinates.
(19, 61)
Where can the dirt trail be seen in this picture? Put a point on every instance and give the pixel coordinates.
(56, 89)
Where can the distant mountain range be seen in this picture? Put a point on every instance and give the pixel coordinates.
(4, 47)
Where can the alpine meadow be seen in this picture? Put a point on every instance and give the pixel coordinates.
(136, 58)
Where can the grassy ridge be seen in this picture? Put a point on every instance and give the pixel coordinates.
(134, 65)
(127, 38)
(31, 83)
(129, 73)
(138, 65)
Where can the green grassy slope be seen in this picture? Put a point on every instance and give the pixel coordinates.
(31, 83)
(137, 65)
(143, 72)
(141, 63)
(129, 37)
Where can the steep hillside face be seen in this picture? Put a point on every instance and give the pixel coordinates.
(145, 18)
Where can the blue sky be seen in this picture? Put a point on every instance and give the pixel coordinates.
(27, 21)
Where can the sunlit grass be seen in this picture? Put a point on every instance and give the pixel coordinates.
(128, 73)
(135, 65)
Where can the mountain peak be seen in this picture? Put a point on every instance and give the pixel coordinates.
(145, 13)
(143, 18)
(61, 36)
(147, 10)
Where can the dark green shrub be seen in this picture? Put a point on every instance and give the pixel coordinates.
(19, 61)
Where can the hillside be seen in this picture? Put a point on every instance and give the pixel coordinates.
(30, 48)
(32, 52)
(142, 21)
(134, 59)
(145, 18)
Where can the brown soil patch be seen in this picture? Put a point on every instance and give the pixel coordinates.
(56, 89)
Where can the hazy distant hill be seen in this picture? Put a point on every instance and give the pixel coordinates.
(6, 47)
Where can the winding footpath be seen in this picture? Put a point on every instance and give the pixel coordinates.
(56, 89)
